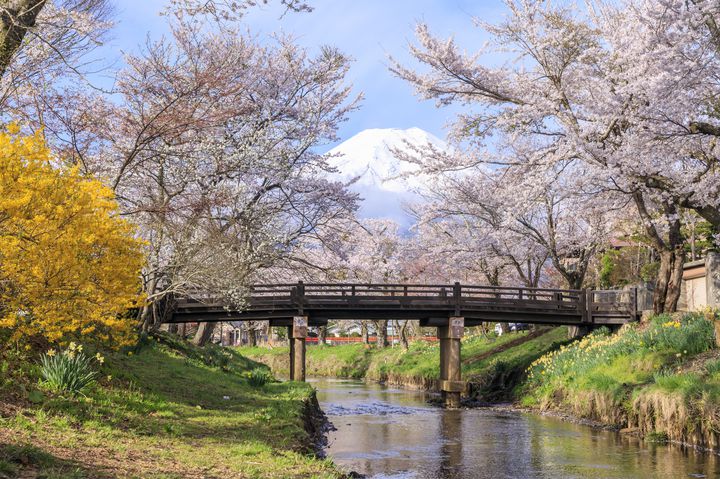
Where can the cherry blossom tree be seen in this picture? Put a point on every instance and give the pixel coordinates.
(211, 152)
(44, 43)
(364, 251)
(627, 89)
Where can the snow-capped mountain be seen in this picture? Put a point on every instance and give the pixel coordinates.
(368, 155)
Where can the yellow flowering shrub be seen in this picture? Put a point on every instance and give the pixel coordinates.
(69, 265)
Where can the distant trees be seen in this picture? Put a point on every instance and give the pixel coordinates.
(70, 263)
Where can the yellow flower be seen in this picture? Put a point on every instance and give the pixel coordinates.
(99, 358)
(79, 348)
(109, 377)
(130, 353)
(50, 352)
(72, 346)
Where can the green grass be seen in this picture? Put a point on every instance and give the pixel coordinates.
(485, 361)
(168, 410)
(662, 377)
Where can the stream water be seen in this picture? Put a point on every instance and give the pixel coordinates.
(385, 432)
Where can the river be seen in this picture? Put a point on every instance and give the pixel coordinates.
(385, 432)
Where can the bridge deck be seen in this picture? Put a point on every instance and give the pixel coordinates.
(431, 304)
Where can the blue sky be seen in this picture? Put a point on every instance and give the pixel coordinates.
(366, 30)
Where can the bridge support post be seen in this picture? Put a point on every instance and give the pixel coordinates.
(297, 334)
(451, 383)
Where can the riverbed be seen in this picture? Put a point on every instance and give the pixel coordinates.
(384, 432)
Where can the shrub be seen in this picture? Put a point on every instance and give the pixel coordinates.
(70, 262)
(259, 377)
(68, 371)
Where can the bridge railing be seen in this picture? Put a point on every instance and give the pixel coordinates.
(591, 305)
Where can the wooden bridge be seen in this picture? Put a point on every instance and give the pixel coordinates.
(448, 307)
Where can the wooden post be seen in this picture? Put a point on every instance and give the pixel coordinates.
(291, 343)
(457, 292)
(451, 383)
(298, 332)
(585, 307)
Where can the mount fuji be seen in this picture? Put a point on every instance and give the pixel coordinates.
(368, 157)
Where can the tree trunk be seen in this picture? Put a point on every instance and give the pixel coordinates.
(322, 334)
(671, 251)
(252, 336)
(146, 313)
(403, 334)
(203, 334)
(667, 288)
(381, 327)
(364, 332)
(182, 330)
(146, 317)
(172, 328)
(16, 17)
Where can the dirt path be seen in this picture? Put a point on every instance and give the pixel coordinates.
(511, 344)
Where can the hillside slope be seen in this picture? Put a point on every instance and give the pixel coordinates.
(166, 410)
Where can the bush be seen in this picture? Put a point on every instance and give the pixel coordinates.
(68, 371)
(259, 377)
(70, 263)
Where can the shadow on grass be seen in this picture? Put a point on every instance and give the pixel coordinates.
(171, 396)
(22, 460)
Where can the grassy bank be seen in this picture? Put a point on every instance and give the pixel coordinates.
(492, 364)
(660, 380)
(165, 410)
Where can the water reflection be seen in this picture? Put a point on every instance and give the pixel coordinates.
(392, 433)
(451, 452)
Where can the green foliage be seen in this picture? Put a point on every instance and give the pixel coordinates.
(712, 367)
(649, 271)
(69, 371)
(704, 236)
(607, 267)
(690, 335)
(259, 377)
(686, 384)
